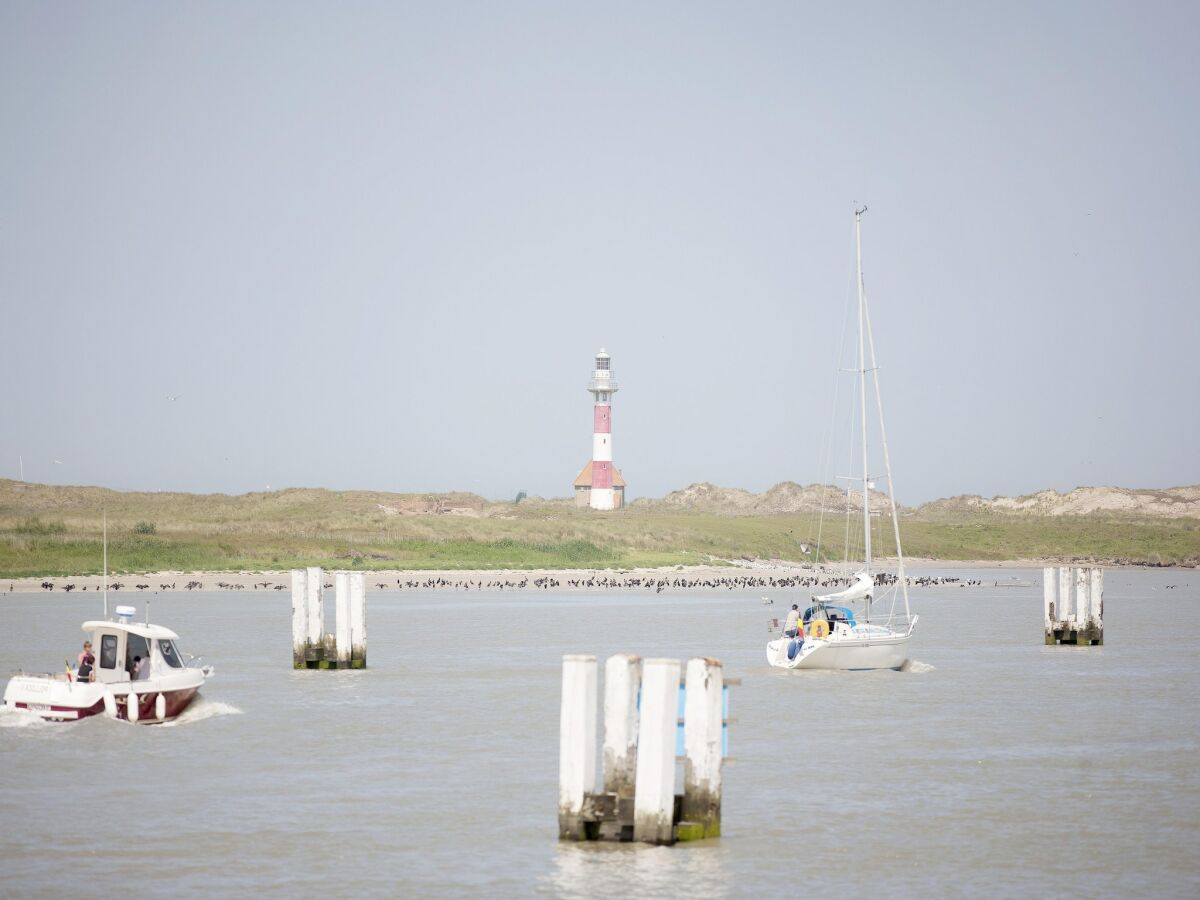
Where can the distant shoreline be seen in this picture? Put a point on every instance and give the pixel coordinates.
(746, 576)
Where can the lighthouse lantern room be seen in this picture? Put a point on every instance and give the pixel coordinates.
(600, 485)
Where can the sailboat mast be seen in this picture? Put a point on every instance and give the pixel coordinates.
(862, 393)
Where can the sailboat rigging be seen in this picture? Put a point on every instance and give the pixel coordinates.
(829, 635)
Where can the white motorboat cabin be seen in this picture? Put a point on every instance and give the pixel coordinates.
(117, 645)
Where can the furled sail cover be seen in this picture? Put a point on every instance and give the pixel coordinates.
(861, 588)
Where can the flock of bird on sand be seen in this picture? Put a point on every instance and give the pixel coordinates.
(658, 585)
(594, 582)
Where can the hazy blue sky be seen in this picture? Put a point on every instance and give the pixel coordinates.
(376, 245)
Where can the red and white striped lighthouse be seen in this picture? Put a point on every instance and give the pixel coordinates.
(600, 485)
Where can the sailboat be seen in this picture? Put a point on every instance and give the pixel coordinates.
(830, 634)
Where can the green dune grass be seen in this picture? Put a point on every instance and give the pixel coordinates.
(48, 531)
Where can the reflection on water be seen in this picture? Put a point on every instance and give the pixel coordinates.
(611, 870)
(993, 764)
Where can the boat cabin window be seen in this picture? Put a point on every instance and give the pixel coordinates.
(136, 645)
(169, 654)
(108, 651)
(831, 614)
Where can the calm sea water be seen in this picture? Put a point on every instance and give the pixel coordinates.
(997, 766)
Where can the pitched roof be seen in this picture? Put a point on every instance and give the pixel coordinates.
(584, 478)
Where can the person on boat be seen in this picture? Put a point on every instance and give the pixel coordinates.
(85, 671)
(789, 626)
(141, 668)
(86, 651)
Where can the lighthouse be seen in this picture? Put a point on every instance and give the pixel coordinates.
(599, 485)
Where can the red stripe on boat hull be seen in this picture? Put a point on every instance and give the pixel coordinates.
(177, 702)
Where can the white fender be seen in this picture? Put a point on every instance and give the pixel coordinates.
(132, 704)
(110, 704)
(160, 707)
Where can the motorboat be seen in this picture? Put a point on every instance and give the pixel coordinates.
(829, 634)
(157, 691)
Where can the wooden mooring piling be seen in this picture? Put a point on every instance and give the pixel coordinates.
(346, 646)
(1074, 605)
(652, 719)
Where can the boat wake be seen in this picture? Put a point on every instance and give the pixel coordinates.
(201, 709)
(918, 667)
(20, 718)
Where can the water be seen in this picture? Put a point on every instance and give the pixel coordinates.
(995, 766)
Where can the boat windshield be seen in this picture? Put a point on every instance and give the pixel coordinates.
(170, 655)
(831, 613)
(135, 646)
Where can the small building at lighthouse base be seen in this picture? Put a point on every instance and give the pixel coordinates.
(583, 487)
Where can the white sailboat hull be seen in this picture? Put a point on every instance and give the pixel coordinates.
(851, 652)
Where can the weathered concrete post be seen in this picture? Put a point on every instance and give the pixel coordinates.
(341, 587)
(1080, 622)
(316, 605)
(1097, 604)
(358, 620)
(1050, 601)
(622, 681)
(702, 724)
(299, 617)
(1064, 593)
(643, 731)
(654, 800)
(576, 743)
(1082, 605)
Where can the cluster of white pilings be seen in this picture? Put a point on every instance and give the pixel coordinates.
(1074, 601)
(346, 647)
(637, 801)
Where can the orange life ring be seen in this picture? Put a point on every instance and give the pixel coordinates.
(819, 629)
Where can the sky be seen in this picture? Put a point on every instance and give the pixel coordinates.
(376, 245)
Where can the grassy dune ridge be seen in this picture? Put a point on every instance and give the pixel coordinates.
(48, 530)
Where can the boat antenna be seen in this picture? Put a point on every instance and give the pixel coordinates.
(104, 514)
